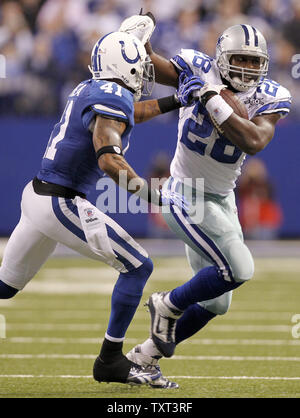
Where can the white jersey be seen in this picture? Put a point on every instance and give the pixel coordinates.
(202, 152)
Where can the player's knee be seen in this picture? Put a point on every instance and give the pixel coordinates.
(219, 305)
(147, 267)
(144, 271)
(6, 291)
(241, 262)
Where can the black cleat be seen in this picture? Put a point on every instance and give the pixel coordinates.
(123, 371)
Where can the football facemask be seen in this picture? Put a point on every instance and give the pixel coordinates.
(242, 40)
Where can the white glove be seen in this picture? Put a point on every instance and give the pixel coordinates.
(141, 26)
(209, 88)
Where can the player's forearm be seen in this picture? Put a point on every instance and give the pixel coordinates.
(113, 164)
(164, 70)
(244, 134)
(148, 109)
(116, 167)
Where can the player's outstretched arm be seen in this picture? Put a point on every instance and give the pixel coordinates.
(250, 136)
(108, 147)
(148, 109)
(165, 72)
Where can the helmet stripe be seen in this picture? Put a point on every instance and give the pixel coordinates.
(255, 36)
(96, 64)
(246, 34)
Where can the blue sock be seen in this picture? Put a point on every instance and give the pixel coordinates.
(6, 291)
(208, 283)
(194, 318)
(126, 297)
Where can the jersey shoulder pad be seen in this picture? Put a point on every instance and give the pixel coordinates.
(110, 99)
(106, 98)
(192, 62)
(272, 97)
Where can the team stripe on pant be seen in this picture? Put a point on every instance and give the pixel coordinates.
(127, 251)
(67, 217)
(198, 237)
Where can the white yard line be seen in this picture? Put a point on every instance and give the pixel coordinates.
(25, 376)
(203, 341)
(15, 306)
(101, 280)
(141, 327)
(193, 358)
(236, 377)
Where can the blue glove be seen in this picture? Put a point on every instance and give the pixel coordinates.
(173, 198)
(187, 87)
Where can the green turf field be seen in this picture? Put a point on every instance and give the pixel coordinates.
(54, 329)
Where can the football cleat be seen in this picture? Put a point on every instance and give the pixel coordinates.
(163, 323)
(124, 371)
(151, 364)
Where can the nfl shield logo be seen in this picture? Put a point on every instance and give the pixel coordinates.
(89, 212)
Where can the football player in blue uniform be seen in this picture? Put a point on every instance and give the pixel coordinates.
(90, 140)
(212, 144)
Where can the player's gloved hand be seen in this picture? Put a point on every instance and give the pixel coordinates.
(167, 197)
(188, 89)
(209, 90)
(141, 26)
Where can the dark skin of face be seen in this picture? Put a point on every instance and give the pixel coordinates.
(245, 61)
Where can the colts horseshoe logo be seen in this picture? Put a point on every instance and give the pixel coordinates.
(131, 61)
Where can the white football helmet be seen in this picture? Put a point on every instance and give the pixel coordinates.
(119, 55)
(242, 40)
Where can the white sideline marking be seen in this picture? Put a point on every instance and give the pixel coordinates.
(236, 377)
(22, 376)
(236, 358)
(250, 328)
(101, 280)
(232, 315)
(197, 358)
(204, 341)
(141, 327)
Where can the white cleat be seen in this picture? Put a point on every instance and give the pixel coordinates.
(163, 323)
(150, 364)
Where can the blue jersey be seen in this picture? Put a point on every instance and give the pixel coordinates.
(70, 158)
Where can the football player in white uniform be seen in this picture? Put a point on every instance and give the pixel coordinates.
(213, 151)
(88, 142)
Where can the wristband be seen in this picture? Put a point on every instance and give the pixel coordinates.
(218, 109)
(109, 149)
(166, 104)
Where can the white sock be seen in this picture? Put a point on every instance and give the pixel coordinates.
(169, 303)
(149, 348)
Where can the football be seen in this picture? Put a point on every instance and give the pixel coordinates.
(232, 99)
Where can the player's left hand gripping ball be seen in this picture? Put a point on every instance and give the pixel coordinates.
(188, 88)
(141, 26)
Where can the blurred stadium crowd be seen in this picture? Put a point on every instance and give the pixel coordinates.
(47, 43)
